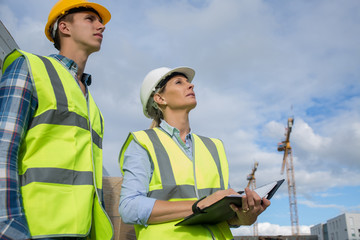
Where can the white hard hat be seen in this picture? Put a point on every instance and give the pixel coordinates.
(152, 80)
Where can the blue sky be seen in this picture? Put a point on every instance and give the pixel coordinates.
(257, 63)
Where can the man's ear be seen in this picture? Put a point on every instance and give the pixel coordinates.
(64, 28)
(159, 99)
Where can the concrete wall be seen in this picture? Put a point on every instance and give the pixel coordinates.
(7, 44)
(344, 227)
(318, 231)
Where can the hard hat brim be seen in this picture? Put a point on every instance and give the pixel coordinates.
(188, 72)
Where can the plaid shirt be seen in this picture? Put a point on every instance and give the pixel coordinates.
(18, 103)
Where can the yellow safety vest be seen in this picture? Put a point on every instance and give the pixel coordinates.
(177, 178)
(60, 158)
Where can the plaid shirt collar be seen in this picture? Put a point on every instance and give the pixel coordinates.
(72, 67)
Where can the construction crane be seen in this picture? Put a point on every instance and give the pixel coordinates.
(252, 184)
(285, 147)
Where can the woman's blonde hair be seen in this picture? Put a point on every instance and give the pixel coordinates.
(157, 113)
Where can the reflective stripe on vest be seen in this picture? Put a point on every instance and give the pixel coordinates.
(57, 175)
(167, 176)
(57, 116)
(170, 183)
(60, 158)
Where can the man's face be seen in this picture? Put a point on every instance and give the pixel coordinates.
(86, 31)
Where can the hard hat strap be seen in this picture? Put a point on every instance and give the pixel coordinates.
(53, 32)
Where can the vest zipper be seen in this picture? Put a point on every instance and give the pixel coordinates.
(93, 164)
(196, 189)
(193, 161)
(212, 234)
(92, 154)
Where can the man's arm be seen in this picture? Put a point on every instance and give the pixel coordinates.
(17, 105)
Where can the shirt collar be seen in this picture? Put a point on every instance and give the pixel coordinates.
(72, 67)
(172, 131)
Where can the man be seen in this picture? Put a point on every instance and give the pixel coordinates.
(51, 134)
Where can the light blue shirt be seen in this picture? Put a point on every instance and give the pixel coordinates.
(135, 207)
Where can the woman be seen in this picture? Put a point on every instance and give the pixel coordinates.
(170, 172)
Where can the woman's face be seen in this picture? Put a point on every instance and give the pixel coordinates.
(179, 94)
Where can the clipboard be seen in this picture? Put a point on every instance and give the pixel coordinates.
(221, 211)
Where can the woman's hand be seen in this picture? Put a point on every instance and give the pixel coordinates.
(252, 207)
(216, 196)
(164, 211)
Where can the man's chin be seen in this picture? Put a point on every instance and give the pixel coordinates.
(95, 49)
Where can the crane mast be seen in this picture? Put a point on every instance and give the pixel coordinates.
(252, 184)
(288, 163)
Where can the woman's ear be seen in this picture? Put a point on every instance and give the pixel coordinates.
(159, 99)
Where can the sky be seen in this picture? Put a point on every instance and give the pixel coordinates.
(257, 63)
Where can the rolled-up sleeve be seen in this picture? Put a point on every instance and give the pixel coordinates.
(135, 207)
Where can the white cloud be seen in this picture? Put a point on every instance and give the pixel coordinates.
(321, 160)
(253, 61)
(306, 139)
(315, 205)
(274, 130)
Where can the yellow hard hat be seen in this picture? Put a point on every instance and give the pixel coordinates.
(62, 6)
